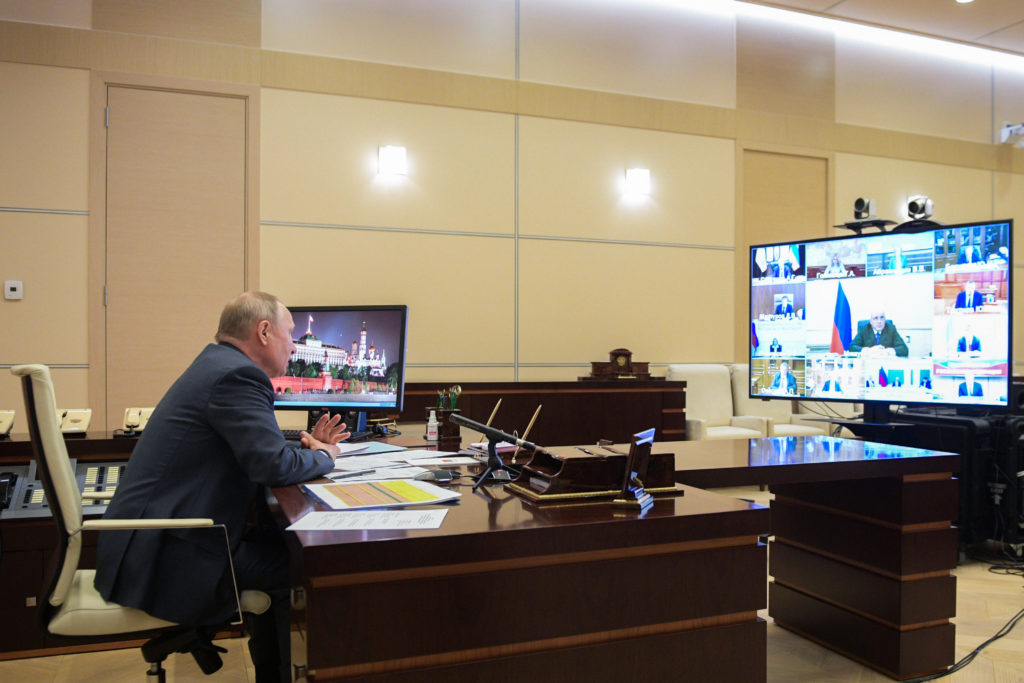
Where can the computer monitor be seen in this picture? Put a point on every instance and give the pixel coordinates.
(348, 360)
(915, 316)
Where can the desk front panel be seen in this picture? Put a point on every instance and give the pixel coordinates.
(505, 580)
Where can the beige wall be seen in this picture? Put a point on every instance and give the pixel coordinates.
(509, 238)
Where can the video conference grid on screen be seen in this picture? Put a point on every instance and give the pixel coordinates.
(350, 358)
(919, 317)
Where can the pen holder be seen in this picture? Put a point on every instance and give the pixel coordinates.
(449, 435)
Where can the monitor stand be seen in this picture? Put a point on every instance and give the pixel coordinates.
(877, 413)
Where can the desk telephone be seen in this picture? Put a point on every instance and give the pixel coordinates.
(6, 422)
(135, 419)
(75, 421)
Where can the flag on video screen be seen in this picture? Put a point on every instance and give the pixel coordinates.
(883, 379)
(841, 323)
(753, 335)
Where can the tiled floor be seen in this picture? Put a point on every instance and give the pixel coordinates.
(985, 602)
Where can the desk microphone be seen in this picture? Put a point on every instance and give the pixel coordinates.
(493, 433)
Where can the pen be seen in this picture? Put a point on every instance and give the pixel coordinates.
(354, 473)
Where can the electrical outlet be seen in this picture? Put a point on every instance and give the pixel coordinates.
(13, 289)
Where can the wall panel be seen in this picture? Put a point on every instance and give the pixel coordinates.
(642, 48)
(44, 137)
(319, 164)
(459, 288)
(1008, 101)
(579, 300)
(70, 386)
(55, 12)
(464, 36)
(216, 21)
(571, 178)
(48, 253)
(785, 69)
(885, 86)
(960, 194)
(1008, 202)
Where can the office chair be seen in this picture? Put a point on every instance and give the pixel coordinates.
(72, 606)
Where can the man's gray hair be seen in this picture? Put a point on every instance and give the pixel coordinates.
(242, 313)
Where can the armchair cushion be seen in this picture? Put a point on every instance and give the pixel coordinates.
(778, 413)
(85, 613)
(709, 404)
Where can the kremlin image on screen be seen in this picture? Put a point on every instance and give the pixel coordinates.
(344, 356)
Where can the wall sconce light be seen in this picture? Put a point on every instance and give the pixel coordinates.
(638, 181)
(864, 209)
(391, 160)
(920, 207)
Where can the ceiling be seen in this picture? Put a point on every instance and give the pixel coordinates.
(991, 23)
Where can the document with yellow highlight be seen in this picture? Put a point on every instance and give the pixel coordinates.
(377, 494)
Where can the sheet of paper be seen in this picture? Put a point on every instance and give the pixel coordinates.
(370, 519)
(373, 447)
(384, 474)
(416, 454)
(367, 461)
(376, 494)
(453, 460)
(350, 448)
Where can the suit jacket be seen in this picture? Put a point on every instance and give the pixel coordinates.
(969, 255)
(975, 389)
(207, 451)
(890, 338)
(962, 345)
(975, 302)
(790, 382)
(786, 309)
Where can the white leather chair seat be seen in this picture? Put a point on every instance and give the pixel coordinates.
(713, 433)
(86, 613)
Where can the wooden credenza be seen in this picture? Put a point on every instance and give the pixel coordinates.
(573, 413)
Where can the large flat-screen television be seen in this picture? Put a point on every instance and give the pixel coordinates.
(348, 359)
(915, 316)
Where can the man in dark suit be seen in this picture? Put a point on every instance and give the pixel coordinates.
(964, 346)
(784, 307)
(784, 380)
(969, 298)
(208, 451)
(975, 387)
(969, 254)
(880, 333)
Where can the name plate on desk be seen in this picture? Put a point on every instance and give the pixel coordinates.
(568, 476)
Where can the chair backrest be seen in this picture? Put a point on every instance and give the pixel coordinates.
(708, 391)
(58, 478)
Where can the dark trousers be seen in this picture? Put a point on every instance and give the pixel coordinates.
(261, 563)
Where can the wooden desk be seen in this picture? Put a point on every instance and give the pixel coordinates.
(863, 544)
(506, 590)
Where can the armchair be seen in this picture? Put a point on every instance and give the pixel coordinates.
(71, 605)
(782, 421)
(709, 405)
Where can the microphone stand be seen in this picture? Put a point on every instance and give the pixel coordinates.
(496, 469)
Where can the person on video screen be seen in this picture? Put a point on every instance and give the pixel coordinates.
(835, 267)
(971, 384)
(969, 254)
(784, 307)
(879, 337)
(969, 298)
(784, 380)
(775, 347)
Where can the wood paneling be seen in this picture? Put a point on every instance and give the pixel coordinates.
(175, 233)
(215, 21)
(785, 69)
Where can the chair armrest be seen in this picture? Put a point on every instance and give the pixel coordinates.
(751, 422)
(695, 429)
(110, 524)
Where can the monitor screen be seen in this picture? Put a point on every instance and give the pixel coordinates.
(347, 358)
(903, 317)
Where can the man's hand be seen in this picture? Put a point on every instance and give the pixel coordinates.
(327, 431)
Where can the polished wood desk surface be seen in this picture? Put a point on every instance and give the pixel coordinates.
(492, 524)
(789, 459)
